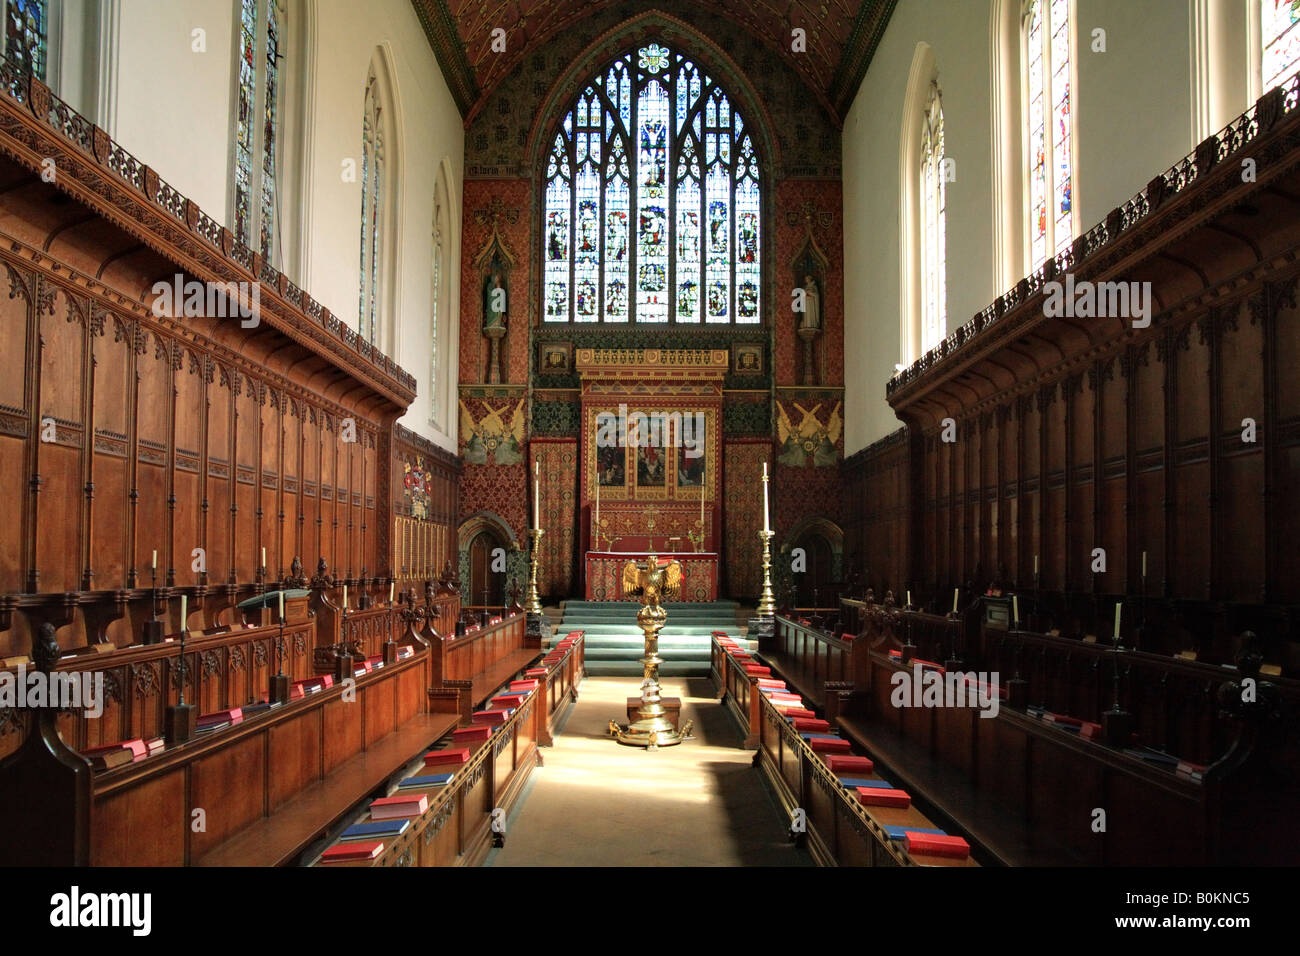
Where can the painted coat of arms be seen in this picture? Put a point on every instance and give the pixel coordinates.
(416, 482)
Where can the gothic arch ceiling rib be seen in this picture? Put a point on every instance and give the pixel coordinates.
(840, 37)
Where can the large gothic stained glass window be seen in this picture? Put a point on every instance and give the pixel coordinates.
(652, 200)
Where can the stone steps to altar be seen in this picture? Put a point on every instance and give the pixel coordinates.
(614, 643)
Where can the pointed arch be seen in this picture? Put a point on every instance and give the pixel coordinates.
(922, 79)
(380, 176)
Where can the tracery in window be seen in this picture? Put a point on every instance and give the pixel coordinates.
(652, 200)
(257, 125)
(934, 293)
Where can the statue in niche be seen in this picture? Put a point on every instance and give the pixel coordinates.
(812, 314)
(495, 305)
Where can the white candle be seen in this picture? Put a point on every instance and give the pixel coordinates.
(264, 557)
(184, 609)
(1118, 606)
(909, 598)
(392, 588)
(537, 496)
(767, 526)
(1015, 608)
(701, 509)
(598, 510)
(154, 563)
(1035, 564)
(281, 605)
(1144, 564)
(345, 596)
(954, 600)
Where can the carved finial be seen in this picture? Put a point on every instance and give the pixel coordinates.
(45, 648)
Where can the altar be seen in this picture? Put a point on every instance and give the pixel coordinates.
(605, 574)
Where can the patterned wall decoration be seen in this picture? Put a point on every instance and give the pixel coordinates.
(806, 135)
(501, 489)
(802, 493)
(746, 414)
(809, 428)
(809, 208)
(558, 479)
(743, 515)
(555, 414)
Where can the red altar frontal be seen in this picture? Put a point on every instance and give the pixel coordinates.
(605, 573)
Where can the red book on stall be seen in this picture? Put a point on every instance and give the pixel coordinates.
(849, 763)
(494, 716)
(508, 700)
(829, 745)
(531, 672)
(755, 670)
(296, 691)
(349, 852)
(953, 846)
(811, 724)
(438, 758)
(575, 634)
(1090, 730)
(526, 685)
(870, 797)
(390, 808)
(772, 682)
(473, 734)
(795, 711)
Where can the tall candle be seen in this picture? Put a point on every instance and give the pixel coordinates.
(598, 510)
(1144, 564)
(1035, 564)
(264, 557)
(1118, 606)
(1015, 608)
(184, 610)
(282, 605)
(392, 589)
(154, 563)
(954, 600)
(537, 496)
(767, 526)
(701, 509)
(909, 598)
(345, 596)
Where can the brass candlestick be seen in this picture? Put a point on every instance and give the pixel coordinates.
(532, 601)
(767, 601)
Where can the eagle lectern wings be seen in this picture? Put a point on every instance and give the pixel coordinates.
(652, 584)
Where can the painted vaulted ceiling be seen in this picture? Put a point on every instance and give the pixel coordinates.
(841, 37)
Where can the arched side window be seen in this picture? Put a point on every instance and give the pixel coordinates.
(257, 126)
(27, 34)
(652, 204)
(934, 294)
(1279, 42)
(436, 292)
(373, 183)
(1048, 33)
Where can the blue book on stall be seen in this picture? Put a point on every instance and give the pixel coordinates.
(379, 828)
(820, 736)
(432, 780)
(850, 783)
(897, 833)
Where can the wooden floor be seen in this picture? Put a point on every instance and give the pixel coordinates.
(597, 803)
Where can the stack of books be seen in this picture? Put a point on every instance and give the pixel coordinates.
(1193, 771)
(927, 843)
(443, 758)
(810, 724)
(427, 781)
(375, 829)
(827, 743)
(404, 652)
(531, 672)
(353, 852)
(110, 756)
(219, 720)
(402, 805)
(507, 700)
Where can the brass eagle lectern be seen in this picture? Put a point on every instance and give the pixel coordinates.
(652, 582)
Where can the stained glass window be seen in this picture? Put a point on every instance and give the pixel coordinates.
(934, 293)
(1050, 129)
(1279, 22)
(435, 293)
(261, 26)
(653, 200)
(25, 27)
(372, 202)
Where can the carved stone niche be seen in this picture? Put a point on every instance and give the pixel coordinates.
(808, 270)
(493, 266)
